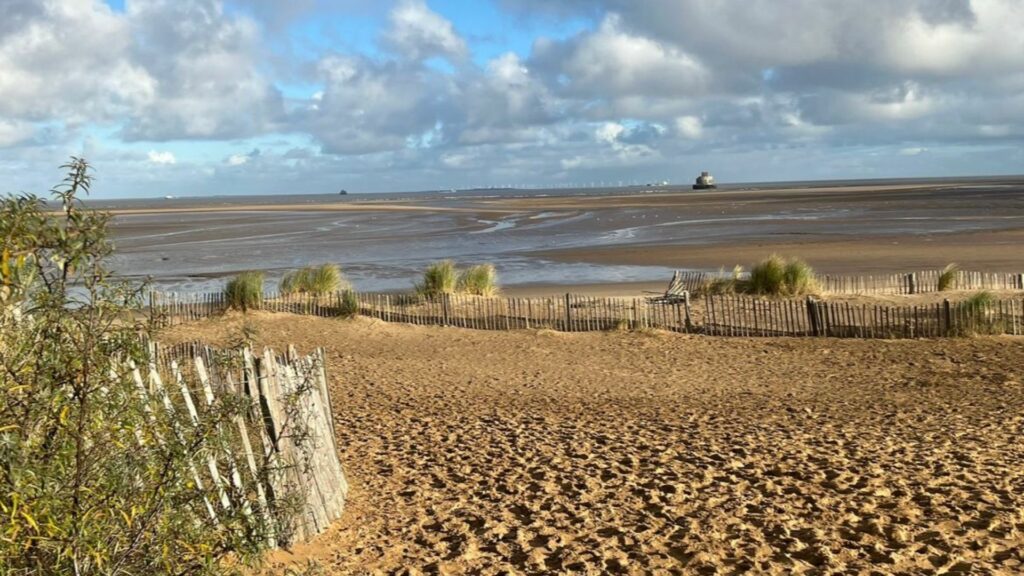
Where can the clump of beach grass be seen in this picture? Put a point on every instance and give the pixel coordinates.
(977, 311)
(317, 280)
(778, 276)
(439, 278)
(349, 303)
(947, 277)
(723, 283)
(478, 280)
(979, 301)
(245, 291)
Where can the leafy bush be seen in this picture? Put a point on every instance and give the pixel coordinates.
(439, 278)
(947, 278)
(245, 291)
(777, 276)
(319, 280)
(94, 477)
(479, 280)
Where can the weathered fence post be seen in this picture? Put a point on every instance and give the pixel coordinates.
(686, 304)
(911, 283)
(947, 312)
(446, 309)
(568, 313)
(813, 317)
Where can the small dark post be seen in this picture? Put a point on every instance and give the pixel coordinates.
(948, 314)
(446, 309)
(568, 313)
(812, 316)
(911, 283)
(686, 304)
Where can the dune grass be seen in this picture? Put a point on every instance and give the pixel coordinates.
(778, 276)
(977, 311)
(318, 280)
(977, 304)
(439, 278)
(478, 280)
(723, 283)
(245, 291)
(947, 278)
(349, 303)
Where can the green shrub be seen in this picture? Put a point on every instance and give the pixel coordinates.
(947, 278)
(245, 291)
(319, 280)
(479, 280)
(95, 478)
(777, 276)
(439, 278)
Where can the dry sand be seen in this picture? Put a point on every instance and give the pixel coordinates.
(477, 452)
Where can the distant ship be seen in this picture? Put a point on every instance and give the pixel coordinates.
(705, 181)
(343, 192)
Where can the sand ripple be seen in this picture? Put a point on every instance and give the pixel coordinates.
(492, 453)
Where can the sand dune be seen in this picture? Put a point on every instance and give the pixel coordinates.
(474, 452)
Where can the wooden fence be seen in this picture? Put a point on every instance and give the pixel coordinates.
(746, 316)
(568, 313)
(726, 315)
(259, 458)
(925, 281)
(922, 282)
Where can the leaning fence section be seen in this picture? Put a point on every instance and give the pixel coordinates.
(282, 445)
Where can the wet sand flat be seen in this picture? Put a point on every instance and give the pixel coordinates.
(569, 237)
(1001, 251)
(636, 453)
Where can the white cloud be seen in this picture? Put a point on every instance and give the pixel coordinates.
(419, 33)
(69, 61)
(161, 157)
(612, 61)
(237, 159)
(13, 132)
(609, 132)
(369, 106)
(689, 127)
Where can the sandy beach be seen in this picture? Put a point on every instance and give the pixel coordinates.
(637, 453)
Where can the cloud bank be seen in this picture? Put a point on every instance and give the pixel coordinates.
(208, 96)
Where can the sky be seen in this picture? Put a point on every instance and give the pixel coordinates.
(210, 97)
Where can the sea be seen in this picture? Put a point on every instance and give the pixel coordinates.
(386, 250)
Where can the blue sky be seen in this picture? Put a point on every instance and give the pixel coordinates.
(202, 97)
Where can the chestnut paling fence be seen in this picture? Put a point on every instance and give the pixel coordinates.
(923, 282)
(259, 458)
(720, 315)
